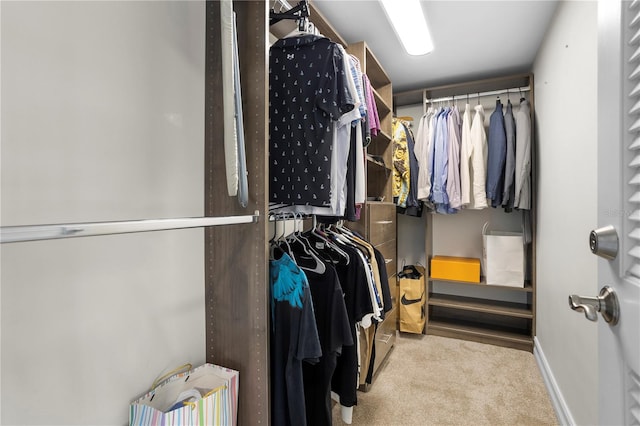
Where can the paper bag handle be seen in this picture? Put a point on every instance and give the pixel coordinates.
(183, 367)
(194, 405)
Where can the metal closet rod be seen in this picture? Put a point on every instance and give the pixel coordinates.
(15, 234)
(479, 94)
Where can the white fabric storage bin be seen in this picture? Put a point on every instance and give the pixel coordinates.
(503, 260)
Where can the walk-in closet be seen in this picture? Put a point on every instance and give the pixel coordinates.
(278, 213)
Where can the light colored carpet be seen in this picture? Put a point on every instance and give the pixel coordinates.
(431, 380)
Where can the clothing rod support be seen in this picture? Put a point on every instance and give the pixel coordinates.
(284, 4)
(14, 234)
(478, 95)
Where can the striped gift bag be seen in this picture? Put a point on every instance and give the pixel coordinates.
(206, 395)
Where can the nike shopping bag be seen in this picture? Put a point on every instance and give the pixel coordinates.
(412, 299)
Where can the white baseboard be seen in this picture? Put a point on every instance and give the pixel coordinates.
(560, 406)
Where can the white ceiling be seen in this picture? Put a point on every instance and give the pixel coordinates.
(473, 39)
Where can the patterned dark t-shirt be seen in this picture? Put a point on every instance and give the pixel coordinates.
(307, 90)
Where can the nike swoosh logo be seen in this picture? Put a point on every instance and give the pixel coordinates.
(406, 301)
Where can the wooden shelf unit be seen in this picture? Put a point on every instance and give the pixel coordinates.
(378, 216)
(485, 319)
(237, 316)
(527, 284)
(459, 329)
(519, 310)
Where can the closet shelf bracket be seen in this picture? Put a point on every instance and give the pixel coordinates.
(14, 234)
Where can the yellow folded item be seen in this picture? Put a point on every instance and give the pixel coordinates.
(455, 268)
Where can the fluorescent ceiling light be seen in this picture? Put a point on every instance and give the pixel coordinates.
(408, 21)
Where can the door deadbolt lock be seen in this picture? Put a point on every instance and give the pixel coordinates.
(604, 242)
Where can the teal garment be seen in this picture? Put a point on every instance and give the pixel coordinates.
(287, 281)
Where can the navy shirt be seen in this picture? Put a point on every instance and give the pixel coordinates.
(497, 144)
(307, 90)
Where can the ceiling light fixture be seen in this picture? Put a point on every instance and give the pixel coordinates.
(408, 21)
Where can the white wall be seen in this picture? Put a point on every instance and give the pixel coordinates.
(565, 73)
(102, 119)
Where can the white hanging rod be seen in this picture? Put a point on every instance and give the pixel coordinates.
(14, 234)
(515, 90)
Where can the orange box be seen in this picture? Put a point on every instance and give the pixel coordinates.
(455, 268)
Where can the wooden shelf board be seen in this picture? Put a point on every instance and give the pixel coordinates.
(482, 335)
(384, 203)
(527, 285)
(378, 75)
(496, 307)
(410, 97)
(383, 135)
(377, 163)
(383, 107)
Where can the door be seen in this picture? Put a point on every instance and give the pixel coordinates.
(619, 205)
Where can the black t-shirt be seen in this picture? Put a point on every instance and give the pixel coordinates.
(307, 90)
(294, 339)
(357, 298)
(334, 333)
(358, 302)
(384, 280)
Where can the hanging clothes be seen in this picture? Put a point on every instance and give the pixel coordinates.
(374, 119)
(362, 274)
(361, 141)
(345, 183)
(466, 165)
(508, 195)
(334, 333)
(403, 137)
(401, 169)
(414, 206)
(294, 339)
(422, 148)
(440, 197)
(523, 156)
(461, 166)
(453, 169)
(348, 296)
(431, 154)
(478, 160)
(307, 91)
(497, 142)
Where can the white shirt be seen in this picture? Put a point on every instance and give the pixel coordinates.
(421, 151)
(478, 155)
(453, 171)
(465, 157)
